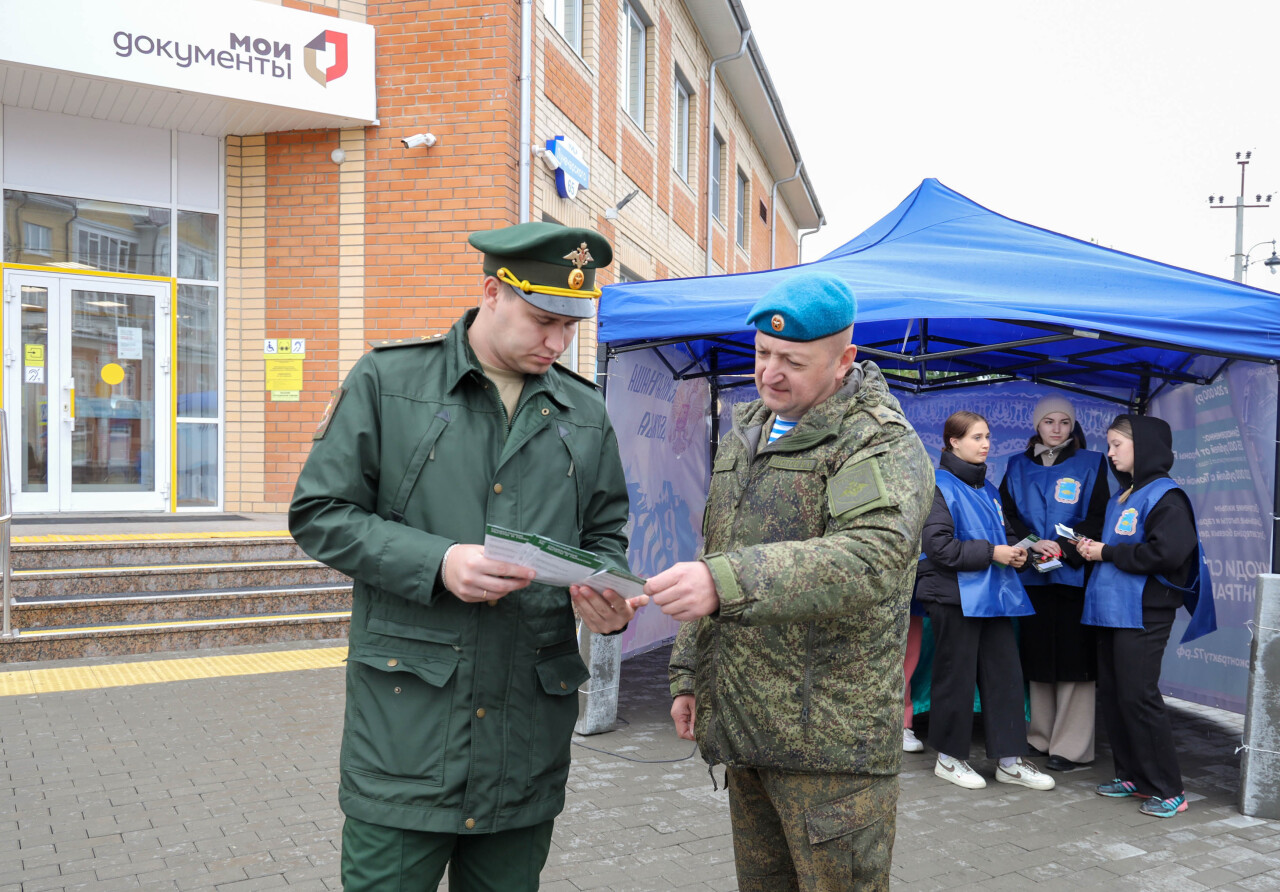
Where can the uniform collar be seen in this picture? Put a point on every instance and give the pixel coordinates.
(864, 386)
(461, 361)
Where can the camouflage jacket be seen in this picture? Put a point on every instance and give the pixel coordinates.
(813, 543)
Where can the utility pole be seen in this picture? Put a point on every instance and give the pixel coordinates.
(1242, 158)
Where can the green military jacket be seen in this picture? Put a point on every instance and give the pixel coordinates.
(812, 542)
(458, 715)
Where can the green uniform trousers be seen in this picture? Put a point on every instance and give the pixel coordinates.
(388, 859)
(812, 832)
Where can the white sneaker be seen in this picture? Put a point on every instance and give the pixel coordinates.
(960, 774)
(1026, 774)
(911, 743)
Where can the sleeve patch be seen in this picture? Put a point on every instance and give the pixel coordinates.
(856, 489)
(329, 411)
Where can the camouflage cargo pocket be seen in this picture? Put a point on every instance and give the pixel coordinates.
(860, 825)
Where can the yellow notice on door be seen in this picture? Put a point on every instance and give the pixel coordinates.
(284, 372)
(33, 354)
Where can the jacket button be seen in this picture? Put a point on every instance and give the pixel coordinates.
(497, 487)
(546, 411)
(492, 603)
(563, 686)
(393, 662)
(480, 713)
(470, 823)
(397, 689)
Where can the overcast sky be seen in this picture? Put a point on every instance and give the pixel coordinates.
(1108, 121)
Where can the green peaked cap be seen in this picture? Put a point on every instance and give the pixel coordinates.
(545, 261)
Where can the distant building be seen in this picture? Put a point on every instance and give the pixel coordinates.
(209, 209)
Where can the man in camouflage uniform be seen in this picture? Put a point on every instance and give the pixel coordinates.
(789, 667)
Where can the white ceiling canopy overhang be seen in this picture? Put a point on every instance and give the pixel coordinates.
(722, 24)
(232, 67)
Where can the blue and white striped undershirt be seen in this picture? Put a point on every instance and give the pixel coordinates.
(780, 427)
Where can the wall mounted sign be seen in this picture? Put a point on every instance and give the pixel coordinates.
(573, 173)
(234, 49)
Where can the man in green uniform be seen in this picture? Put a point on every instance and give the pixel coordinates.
(462, 676)
(789, 666)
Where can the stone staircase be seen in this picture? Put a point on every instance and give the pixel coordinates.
(162, 594)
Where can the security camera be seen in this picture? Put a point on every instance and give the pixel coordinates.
(419, 139)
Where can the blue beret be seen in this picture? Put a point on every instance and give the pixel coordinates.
(805, 307)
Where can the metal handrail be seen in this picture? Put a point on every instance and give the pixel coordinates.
(6, 518)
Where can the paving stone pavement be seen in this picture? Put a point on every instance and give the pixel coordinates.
(230, 784)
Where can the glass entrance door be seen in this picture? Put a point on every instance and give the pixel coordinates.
(87, 389)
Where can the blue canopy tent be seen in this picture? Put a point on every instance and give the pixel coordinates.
(951, 294)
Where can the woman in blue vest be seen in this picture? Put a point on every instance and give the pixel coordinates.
(1150, 562)
(1057, 481)
(968, 583)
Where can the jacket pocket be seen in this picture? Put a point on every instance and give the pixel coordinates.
(560, 672)
(398, 716)
(578, 470)
(425, 451)
(840, 821)
(383, 626)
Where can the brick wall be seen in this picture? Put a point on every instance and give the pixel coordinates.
(376, 247)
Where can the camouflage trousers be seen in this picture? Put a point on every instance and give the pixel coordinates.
(812, 832)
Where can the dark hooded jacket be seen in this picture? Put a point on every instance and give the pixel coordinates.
(945, 555)
(1169, 546)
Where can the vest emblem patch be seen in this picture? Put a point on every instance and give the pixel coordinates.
(1067, 491)
(1128, 522)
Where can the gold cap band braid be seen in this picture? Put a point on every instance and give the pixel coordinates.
(504, 275)
(541, 274)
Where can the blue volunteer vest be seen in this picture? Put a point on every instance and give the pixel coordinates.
(1051, 495)
(1114, 597)
(996, 590)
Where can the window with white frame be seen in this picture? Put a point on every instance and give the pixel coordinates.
(717, 168)
(636, 39)
(37, 239)
(566, 16)
(684, 106)
(741, 223)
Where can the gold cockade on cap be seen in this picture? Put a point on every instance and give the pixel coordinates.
(579, 257)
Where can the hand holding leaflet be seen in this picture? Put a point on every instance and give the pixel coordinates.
(558, 564)
(1041, 562)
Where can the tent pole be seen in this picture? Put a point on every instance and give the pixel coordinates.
(602, 370)
(1275, 489)
(714, 382)
(1143, 399)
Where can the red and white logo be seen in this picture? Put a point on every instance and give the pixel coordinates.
(322, 42)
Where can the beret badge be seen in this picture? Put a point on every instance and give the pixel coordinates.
(778, 322)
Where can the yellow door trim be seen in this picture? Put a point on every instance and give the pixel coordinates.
(73, 271)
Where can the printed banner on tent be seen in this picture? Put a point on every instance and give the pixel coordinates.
(662, 428)
(1224, 440)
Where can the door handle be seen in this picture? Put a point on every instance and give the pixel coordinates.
(69, 406)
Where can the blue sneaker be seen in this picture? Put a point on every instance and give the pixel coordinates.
(1117, 789)
(1164, 808)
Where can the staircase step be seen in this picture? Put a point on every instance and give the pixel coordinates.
(74, 555)
(109, 640)
(137, 607)
(30, 584)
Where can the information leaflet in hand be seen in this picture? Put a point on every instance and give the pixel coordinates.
(556, 563)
